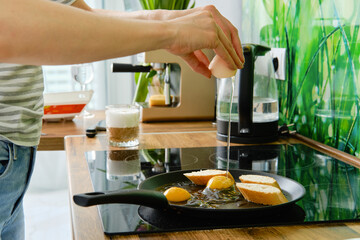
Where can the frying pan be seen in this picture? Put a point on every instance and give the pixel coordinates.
(146, 194)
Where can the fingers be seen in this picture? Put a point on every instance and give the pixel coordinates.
(200, 30)
(199, 65)
(229, 30)
(202, 57)
(238, 48)
(227, 52)
(235, 39)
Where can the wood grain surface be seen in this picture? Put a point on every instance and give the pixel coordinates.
(86, 223)
(54, 132)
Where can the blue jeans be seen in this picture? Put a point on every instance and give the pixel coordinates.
(16, 166)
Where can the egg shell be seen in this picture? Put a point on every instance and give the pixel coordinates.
(219, 68)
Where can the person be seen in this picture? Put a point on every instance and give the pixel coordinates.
(56, 32)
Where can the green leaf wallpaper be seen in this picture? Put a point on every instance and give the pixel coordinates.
(321, 92)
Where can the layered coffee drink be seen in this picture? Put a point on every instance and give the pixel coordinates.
(122, 163)
(122, 125)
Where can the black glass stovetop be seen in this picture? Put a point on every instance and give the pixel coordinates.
(332, 187)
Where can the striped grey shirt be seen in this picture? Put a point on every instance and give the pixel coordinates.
(21, 101)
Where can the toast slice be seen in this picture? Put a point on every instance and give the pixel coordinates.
(259, 179)
(261, 194)
(203, 176)
(157, 100)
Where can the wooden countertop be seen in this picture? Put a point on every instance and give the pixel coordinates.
(53, 133)
(86, 223)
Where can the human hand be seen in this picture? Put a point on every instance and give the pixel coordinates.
(229, 29)
(200, 30)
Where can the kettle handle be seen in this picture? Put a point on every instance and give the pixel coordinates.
(246, 90)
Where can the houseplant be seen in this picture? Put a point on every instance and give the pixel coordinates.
(166, 4)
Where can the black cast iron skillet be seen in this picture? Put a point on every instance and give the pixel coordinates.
(146, 194)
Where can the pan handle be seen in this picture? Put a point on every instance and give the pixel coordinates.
(148, 198)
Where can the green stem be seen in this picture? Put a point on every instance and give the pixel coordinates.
(352, 70)
(323, 40)
(147, 156)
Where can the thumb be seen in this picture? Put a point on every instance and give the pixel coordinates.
(197, 63)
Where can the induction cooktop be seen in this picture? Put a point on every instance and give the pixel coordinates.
(331, 185)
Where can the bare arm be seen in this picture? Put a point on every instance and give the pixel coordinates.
(228, 28)
(43, 32)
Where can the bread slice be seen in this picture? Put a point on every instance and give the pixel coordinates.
(261, 194)
(203, 176)
(157, 100)
(250, 178)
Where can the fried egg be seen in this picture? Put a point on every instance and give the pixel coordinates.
(177, 194)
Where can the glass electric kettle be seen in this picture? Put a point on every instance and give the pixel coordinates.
(254, 109)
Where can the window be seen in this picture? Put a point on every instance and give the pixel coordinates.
(116, 88)
(109, 88)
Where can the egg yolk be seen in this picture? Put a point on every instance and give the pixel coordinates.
(219, 182)
(176, 194)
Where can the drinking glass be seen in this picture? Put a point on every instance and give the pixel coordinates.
(123, 164)
(122, 125)
(83, 74)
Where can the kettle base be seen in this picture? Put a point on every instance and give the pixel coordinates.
(237, 139)
(260, 132)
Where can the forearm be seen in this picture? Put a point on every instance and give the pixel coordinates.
(42, 32)
(157, 14)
